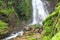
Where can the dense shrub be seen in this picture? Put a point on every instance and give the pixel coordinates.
(3, 27)
(52, 23)
(23, 8)
(56, 37)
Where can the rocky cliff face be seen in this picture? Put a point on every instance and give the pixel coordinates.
(51, 4)
(12, 12)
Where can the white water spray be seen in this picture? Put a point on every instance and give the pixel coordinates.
(39, 11)
(14, 35)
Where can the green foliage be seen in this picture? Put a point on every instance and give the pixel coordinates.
(32, 38)
(56, 37)
(52, 20)
(3, 25)
(11, 9)
(52, 23)
(24, 9)
(21, 7)
(35, 26)
(46, 38)
(12, 19)
(0, 2)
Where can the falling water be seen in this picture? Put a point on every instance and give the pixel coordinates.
(39, 11)
(39, 14)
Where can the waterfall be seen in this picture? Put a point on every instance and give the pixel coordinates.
(39, 14)
(39, 11)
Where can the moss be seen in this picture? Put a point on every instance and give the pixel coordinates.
(35, 26)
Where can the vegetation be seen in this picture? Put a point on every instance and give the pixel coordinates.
(51, 24)
(57, 36)
(3, 28)
(35, 26)
(14, 14)
(23, 8)
(3, 25)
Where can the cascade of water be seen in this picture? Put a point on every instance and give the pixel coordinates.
(39, 11)
(39, 14)
(14, 35)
